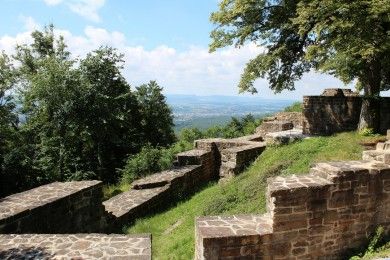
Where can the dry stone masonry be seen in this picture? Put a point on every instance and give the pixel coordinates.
(77, 207)
(54, 208)
(316, 216)
(338, 110)
(232, 155)
(79, 246)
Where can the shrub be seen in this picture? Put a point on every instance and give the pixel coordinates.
(149, 160)
(295, 107)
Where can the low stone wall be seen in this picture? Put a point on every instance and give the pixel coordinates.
(212, 159)
(232, 155)
(153, 193)
(79, 246)
(54, 208)
(317, 216)
(338, 110)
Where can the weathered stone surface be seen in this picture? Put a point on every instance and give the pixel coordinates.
(280, 122)
(233, 155)
(338, 110)
(284, 137)
(54, 208)
(274, 126)
(378, 155)
(238, 236)
(317, 216)
(78, 246)
(163, 178)
(128, 206)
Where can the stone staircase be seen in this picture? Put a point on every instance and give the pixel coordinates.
(47, 222)
(322, 215)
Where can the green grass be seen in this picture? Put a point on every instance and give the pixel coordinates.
(295, 107)
(173, 230)
(378, 247)
(114, 189)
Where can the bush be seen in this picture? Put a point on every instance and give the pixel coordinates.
(367, 132)
(295, 107)
(149, 160)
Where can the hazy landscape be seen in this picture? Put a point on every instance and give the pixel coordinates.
(205, 111)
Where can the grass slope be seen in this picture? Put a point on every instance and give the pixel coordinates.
(173, 230)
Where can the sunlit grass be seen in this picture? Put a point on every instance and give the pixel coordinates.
(173, 230)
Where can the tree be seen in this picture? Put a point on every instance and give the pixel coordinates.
(347, 39)
(157, 120)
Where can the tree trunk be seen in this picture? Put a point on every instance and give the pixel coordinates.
(370, 112)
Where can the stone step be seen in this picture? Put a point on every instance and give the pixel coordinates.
(383, 145)
(128, 206)
(289, 196)
(192, 157)
(347, 170)
(77, 246)
(161, 179)
(377, 155)
(59, 207)
(223, 236)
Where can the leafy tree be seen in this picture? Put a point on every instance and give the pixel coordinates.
(157, 120)
(79, 118)
(347, 39)
(110, 112)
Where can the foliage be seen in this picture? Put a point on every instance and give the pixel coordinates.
(79, 118)
(235, 128)
(347, 39)
(157, 120)
(377, 247)
(295, 107)
(367, 132)
(149, 160)
(243, 194)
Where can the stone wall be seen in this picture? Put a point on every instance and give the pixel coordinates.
(317, 216)
(212, 159)
(232, 156)
(54, 208)
(281, 121)
(337, 110)
(78, 246)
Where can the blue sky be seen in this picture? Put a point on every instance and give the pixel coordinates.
(175, 23)
(163, 40)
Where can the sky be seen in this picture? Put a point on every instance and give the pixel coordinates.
(163, 40)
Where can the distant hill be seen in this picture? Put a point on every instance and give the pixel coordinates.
(206, 111)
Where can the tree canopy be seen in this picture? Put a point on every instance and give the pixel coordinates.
(64, 118)
(347, 39)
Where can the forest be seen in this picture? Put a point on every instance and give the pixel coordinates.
(65, 118)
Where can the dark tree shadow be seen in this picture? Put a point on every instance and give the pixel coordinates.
(26, 253)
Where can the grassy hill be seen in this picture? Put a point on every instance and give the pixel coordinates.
(173, 230)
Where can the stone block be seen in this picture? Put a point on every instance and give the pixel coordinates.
(79, 246)
(54, 208)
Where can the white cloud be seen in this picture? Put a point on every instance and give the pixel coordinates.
(190, 71)
(85, 8)
(29, 23)
(52, 2)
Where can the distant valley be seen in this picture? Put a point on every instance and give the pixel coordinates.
(206, 111)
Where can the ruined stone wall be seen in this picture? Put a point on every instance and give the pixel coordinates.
(325, 115)
(231, 156)
(336, 111)
(321, 215)
(54, 208)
